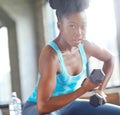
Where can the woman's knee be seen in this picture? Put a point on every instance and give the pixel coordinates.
(30, 109)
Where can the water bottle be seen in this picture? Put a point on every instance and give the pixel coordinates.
(15, 106)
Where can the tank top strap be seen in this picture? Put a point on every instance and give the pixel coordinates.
(56, 48)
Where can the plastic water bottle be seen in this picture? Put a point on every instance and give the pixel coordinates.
(15, 106)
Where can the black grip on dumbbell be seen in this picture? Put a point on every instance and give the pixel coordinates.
(97, 76)
(96, 100)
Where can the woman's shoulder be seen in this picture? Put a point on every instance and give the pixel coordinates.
(48, 54)
(48, 51)
(89, 44)
(86, 44)
(48, 60)
(89, 47)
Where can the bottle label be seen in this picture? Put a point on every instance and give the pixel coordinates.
(12, 112)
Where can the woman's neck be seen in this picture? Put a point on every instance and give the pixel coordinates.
(64, 46)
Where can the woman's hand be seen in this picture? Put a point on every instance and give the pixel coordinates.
(100, 92)
(88, 85)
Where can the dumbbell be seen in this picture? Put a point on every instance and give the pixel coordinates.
(97, 76)
(97, 100)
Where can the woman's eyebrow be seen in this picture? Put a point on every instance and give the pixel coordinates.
(82, 24)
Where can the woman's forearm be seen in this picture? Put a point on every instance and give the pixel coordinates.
(108, 69)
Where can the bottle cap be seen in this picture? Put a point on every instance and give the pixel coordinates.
(14, 94)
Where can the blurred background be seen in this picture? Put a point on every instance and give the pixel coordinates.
(27, 25)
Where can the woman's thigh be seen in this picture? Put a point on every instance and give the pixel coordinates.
(77, 107)
(82, 107)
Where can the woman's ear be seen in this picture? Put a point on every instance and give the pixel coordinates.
(58, 25)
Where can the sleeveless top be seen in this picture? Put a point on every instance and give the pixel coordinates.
(65, 83)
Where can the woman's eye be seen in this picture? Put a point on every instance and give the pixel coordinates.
(72, 26)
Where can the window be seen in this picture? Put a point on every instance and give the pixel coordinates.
(5, 77)
(102, 30)
(50, 22)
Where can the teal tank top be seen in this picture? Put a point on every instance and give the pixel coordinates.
(64, 82)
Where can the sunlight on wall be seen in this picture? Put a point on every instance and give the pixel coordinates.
(101, 29)
(5, 83)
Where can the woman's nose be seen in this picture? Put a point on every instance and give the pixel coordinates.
(79, 31)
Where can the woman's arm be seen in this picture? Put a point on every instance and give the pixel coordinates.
(48, 69)
(103, 55)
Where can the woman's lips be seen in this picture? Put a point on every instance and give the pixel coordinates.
(77, 40)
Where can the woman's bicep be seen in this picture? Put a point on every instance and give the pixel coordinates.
(46, 87)
(47, 82)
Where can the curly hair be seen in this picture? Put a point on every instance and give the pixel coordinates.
(64, 7)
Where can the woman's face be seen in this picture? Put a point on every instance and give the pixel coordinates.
(72, 28)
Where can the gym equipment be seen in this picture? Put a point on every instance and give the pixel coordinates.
(96, 76)
(97, 100)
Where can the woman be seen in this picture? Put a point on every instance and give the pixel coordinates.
(62, 64)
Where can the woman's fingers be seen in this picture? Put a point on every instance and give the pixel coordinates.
(88, 85)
